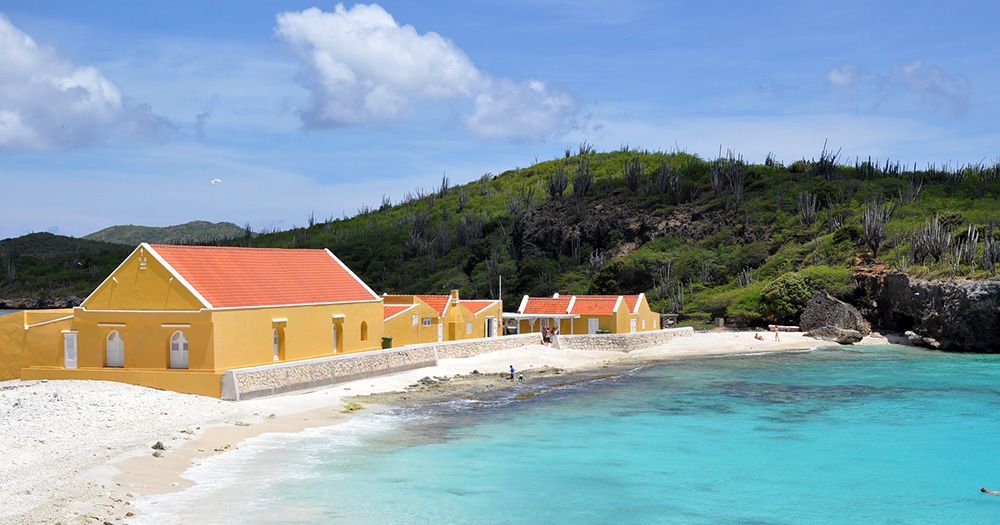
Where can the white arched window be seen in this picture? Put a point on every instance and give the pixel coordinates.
(178, 350)
(114, 350)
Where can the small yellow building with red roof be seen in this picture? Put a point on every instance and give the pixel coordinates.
(585, 314)
(442, 318)
(177, 317)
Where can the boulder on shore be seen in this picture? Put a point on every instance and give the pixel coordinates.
(838, 335)
(826, 310)
(919, 340)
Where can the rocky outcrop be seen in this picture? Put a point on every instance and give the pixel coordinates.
(959, 316)
(842, 336)
(919, 340)
(826, 310)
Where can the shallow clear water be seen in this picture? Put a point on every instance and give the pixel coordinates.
(5, 312)
(854, 435)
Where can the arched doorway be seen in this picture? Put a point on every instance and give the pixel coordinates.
(114, 350)
(178, 350)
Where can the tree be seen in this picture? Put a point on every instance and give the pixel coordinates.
(874, 220)
(785, 298)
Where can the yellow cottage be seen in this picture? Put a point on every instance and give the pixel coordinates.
(177, 317)
(585, 314)
(441, 318)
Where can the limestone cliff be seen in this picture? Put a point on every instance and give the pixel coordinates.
(962, 316)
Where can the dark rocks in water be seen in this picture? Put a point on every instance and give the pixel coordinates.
(960, 316)
(842, 336)
(919, 340)
(826, 310)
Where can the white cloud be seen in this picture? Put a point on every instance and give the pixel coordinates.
(46, 102)
(843, 75)
(362, 67)
(528, 110)
(942, 92)
(913, 84)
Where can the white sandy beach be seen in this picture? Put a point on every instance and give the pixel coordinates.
(79, 451)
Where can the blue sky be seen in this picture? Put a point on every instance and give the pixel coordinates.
(119, 112)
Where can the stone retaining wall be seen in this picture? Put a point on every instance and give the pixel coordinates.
(621, 342)
(245, 383)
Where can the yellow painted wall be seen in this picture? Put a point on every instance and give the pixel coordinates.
(402, 331)
(455, 319)
(186, 381)
(40, 345)
(152, 288)
(644, 313)
(245, 337)
(147, 341)
(478, 320)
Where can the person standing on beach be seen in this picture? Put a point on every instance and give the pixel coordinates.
(511, 372)
(776, 338)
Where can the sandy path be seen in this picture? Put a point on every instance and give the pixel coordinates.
(79, 451)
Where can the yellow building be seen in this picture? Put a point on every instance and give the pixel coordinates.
(585, 314)
(409, 321)
(177, 317)
(442, 318)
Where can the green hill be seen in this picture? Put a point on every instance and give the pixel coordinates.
(703, 238)
(188, 233)
(43, 270)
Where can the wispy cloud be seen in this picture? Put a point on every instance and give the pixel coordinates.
(928, 86)
(360, 67)
(47, 102)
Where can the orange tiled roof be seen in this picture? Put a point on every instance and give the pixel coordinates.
(248, 277)
(476, 305)
(389, 310)
(437, 302)
(631, 301)
(547, 305)
(595, 304)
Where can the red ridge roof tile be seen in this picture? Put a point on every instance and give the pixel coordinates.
(229, 277)
(437, 302)
(477, 305)
(389, 310)
(547, 305)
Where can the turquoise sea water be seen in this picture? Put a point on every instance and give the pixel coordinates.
(5, 312)
(853, 435)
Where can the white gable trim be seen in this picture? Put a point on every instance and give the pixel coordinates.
(638, 301)
(572, 303)
(401, 312)
(50, 321)
(524, 304)
(175, 273)
(352, 274)
(111, 275)
(618, 303)
(479, 311)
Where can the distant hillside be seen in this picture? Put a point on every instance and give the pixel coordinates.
(193, 232)
(41, 269)
(704, 238)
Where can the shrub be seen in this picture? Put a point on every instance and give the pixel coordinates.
(784, 298)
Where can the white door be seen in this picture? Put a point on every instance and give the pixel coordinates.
(115, 351)
(69, 350)
(592, 325)
(178, 350)
(440, 331)
(633, 326)
(335, 338)
(277, 345)
(494, 327)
